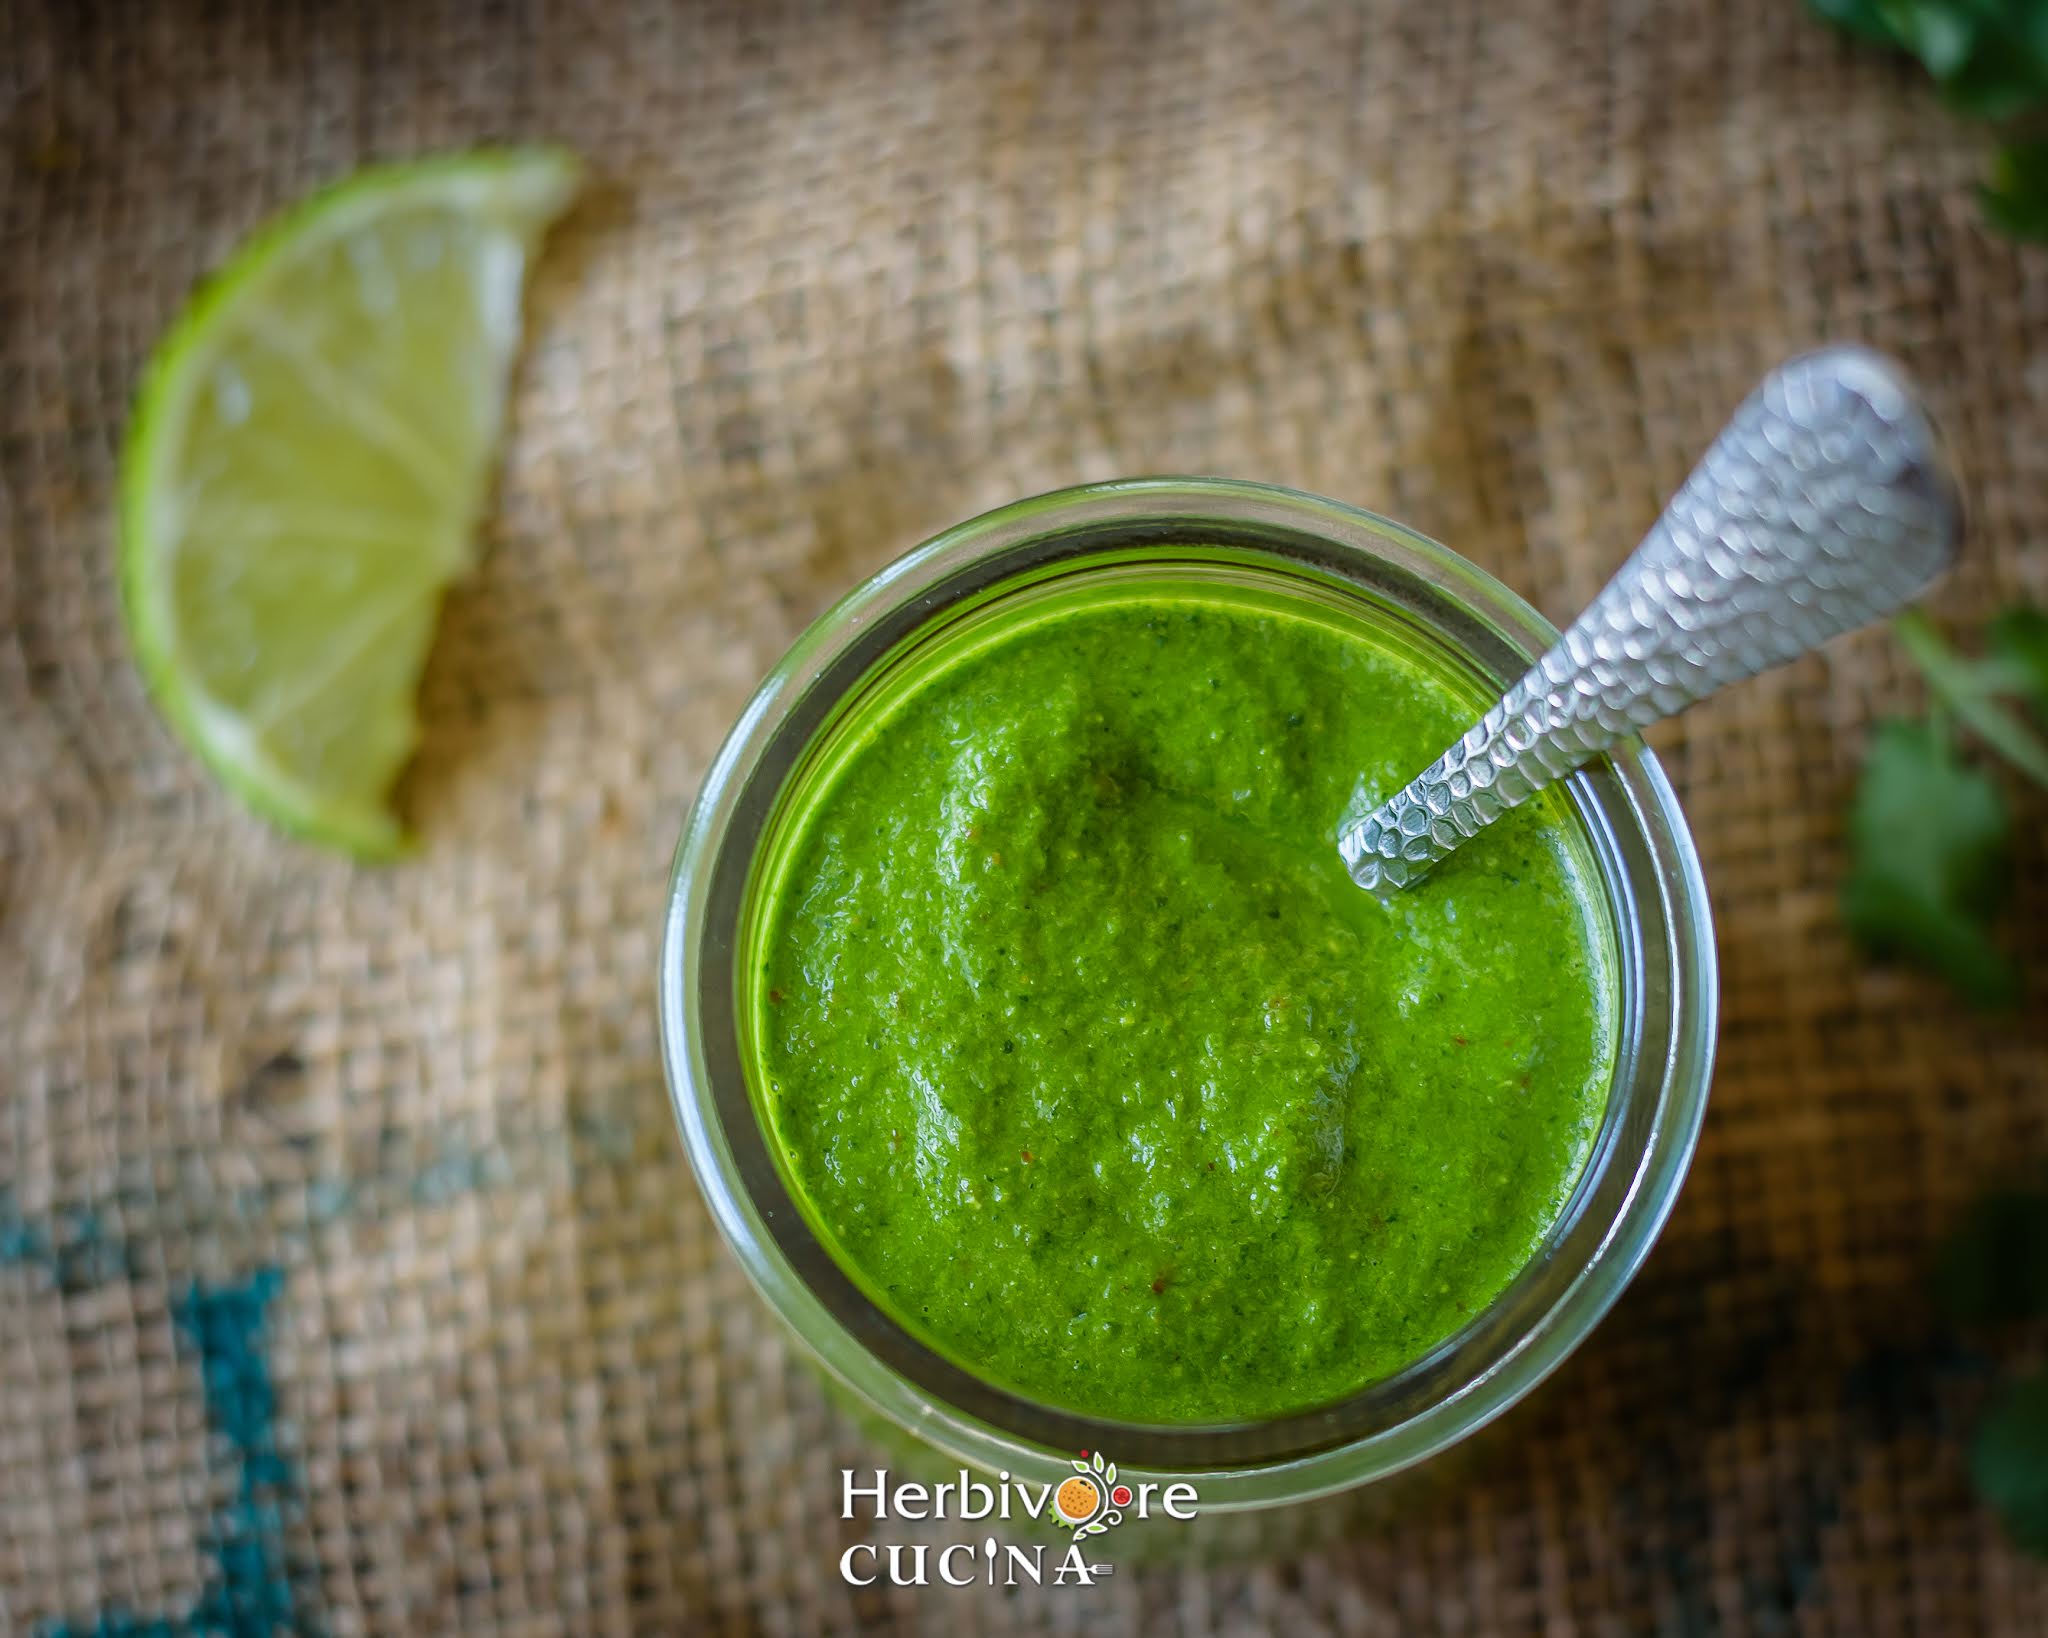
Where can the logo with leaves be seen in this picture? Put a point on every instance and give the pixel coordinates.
(1090, 1502)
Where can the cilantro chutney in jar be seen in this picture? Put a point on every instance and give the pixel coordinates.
(1084, 1058)
(1052, 1084)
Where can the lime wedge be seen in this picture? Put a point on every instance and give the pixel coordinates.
(312, 446)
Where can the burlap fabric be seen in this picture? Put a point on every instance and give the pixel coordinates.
(351, 1277)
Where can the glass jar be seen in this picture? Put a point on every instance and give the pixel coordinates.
(1277, 543)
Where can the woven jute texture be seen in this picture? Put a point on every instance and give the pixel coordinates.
(351, 1276)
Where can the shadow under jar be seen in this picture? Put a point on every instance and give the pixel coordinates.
(1271, 548)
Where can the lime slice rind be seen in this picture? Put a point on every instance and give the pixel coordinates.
(373, 482)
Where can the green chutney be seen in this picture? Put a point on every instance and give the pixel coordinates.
(1091, 1066)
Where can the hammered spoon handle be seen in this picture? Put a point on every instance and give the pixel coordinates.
(1824, 504)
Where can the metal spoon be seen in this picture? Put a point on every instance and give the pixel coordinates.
(1824, 504)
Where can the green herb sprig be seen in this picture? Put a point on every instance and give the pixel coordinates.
(1990, 59)
(1929, 832)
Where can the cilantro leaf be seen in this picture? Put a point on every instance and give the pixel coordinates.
(1943, 37)
(2019, 643)
(2016, 197)
(2005, 73)
(1994, 1267)
(1927, 841)
(1863, 18)
(2009, 1461)
(1970, 691)
(1990, 57)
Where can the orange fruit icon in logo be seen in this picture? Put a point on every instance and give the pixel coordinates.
(1077, 1500)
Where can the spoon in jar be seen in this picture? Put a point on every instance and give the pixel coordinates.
(1823, 505)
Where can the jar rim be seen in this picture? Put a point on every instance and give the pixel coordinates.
(1657, 900)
